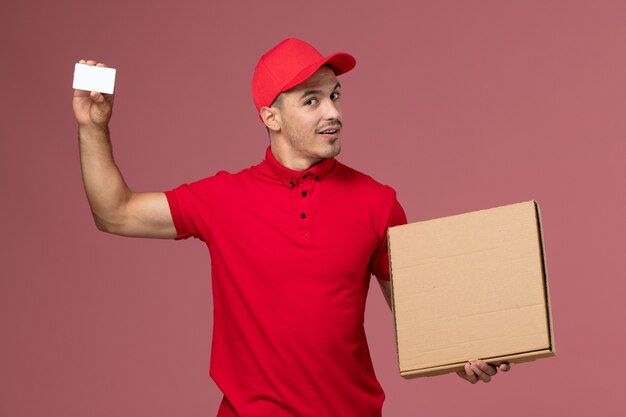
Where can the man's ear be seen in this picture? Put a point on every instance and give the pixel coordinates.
(271, 117)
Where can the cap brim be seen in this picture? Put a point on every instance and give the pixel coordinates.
(340, 62)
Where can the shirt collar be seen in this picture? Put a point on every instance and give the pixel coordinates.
(291, 177)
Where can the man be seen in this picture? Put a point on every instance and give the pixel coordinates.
(293, 244)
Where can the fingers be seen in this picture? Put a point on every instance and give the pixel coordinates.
(92, 62)
(479, 370)
(468, 374)
(483, 371)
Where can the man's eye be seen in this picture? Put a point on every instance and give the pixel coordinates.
(311, 102)
(335, 95)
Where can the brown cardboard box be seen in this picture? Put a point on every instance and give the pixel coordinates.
(471, 286)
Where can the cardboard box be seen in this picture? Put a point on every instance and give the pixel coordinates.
(471, 286)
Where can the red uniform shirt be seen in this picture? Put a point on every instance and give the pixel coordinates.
(292, 254)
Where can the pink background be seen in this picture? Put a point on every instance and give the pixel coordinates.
(460, 105)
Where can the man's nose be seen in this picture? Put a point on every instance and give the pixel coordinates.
(331, 110)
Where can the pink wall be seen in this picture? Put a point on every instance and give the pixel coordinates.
(460, 105)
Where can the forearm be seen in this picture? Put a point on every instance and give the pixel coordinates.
(105, 187)
(385, 287)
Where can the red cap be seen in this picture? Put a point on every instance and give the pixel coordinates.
(288, 64)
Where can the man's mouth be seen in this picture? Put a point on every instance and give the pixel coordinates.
(332, 130)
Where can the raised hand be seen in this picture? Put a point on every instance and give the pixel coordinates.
(92, 109)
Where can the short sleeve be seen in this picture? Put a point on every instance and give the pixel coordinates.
(193, 206)
(380, 259)
(185, 226)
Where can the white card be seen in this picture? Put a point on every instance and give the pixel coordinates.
(92, 78)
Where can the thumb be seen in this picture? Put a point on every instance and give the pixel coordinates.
(102, 102)
(100, 111)
(96, 97)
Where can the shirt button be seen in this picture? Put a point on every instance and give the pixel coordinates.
(291, 184)
(305, 175)
(317, 178)
(303, 216)
(303, 193)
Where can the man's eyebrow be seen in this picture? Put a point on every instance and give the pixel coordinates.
(311, 92)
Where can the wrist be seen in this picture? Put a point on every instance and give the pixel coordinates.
(91, 131)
